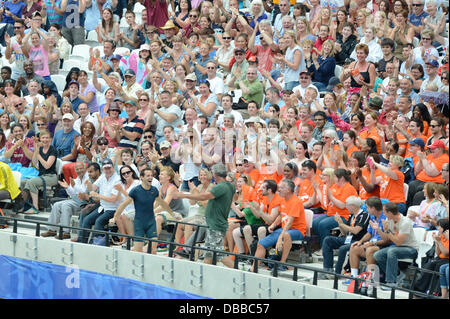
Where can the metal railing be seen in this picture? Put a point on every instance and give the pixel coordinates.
(237, 257)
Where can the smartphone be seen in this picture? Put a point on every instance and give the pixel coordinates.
(369, 161)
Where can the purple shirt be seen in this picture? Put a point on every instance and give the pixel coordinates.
(93, 105)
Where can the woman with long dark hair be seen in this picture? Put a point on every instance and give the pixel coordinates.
(125, 222)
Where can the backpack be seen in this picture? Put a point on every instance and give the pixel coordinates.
(363, 285)
(408, 170)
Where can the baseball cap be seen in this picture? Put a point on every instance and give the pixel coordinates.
(333, 82)
(68, 116)
(107, 163)
(74, 82)
(239, 50)
(129, 72)
(252, 59)
(145, 46)
(305, 72)
(376, 102)
(249, 159)
(418, 142)
(433, 63)
(164, 144)
(437, 144)
(191, 76)
(131, 102)
(116, 57)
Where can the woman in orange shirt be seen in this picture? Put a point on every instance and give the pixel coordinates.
(370, 121)
(349, 143)
(427, 281)
(392, 186)
(336, 196)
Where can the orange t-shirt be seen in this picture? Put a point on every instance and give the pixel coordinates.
(276, 201)
(444, 242)
(248, 194)
(254, 175)
(264, 176)
(363, 194)
(438, 163)
(306, 190)
(341, 193)
(350, 150)
(373, 134)
(294, 208)
(393, 189)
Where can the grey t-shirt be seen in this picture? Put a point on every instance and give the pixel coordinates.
(404, 226)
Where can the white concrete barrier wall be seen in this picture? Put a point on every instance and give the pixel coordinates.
(204, 280)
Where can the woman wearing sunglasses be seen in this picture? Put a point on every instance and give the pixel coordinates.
(125, 222)
(111, 123)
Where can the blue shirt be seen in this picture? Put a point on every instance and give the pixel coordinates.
(375, 235)
(143, 203)
(63, 142)
(417, 20)
(93, 14)
(14, 8)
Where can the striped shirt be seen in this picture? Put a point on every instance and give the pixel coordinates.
(135, 125)
(52, 15)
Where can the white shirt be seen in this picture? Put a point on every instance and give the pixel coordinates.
(89, 118)
(302, 91)
(217, 86)
(106, 188)
(78, 188)
(237, 118)
(375, 53)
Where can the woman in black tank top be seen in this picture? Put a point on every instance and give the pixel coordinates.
(361, 72)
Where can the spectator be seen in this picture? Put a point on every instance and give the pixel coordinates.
(293, 226)
(62, 211)
(44, 158)
(105, 190)
(371, 242)
(334, 201)
(64, 139)
(74, 30)
(351, 231)
(20, 149)
(324, 66)
(397, 229)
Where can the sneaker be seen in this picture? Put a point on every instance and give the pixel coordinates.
(388, 286)
(182, 253)
(49, 233)
(66, 236)
(318, 253)
(347, 282)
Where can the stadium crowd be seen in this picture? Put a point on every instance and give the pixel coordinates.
(247, 117)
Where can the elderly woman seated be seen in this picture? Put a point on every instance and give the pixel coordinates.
(351, 230)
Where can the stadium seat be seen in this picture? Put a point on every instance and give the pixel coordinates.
(309, 215)
(338, 71)
(122, 51)
(405, 190)
(92, 36)
(60, 81)
(78, 57)
(81, 50)
(68, 64)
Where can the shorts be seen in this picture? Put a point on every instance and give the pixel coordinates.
(168, 217)
(196, 219)
(130, 214)
(147, 230)
(254, 229)
(271, 239)
(214, 240)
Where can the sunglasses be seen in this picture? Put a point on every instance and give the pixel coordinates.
(426, 38)
(114, 111)
(239, 53)
(126, 173)
(148, 136)
(143, 99)
(417, 5)
(102, 143)
(226, 38)
(193, 16)
(17, 105)
(41, 124)
(433, 126)
(316, 120)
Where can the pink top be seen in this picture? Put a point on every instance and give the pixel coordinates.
(40, 60)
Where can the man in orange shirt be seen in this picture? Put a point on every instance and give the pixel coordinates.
(306, 189)
(292, 221)
(428, 170)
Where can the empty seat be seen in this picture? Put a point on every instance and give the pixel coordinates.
(81, 50)
(60, 81)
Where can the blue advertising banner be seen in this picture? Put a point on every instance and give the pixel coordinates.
(28, 279)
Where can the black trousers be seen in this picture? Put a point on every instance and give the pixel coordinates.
(414, 188)
(428, 281)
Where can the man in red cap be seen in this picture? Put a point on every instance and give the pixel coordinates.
(428, 170)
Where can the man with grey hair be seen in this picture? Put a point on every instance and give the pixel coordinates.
(219, 200)
(352, 230)
(285, 8)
